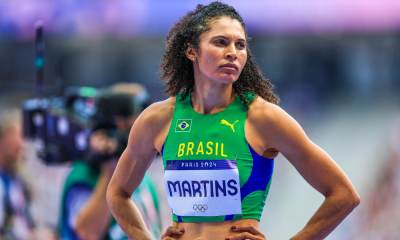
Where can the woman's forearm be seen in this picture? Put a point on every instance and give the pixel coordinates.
(128, 216)
(332, 212)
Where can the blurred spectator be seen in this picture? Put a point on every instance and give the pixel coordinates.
(41, 183)
(85, 213)
(15, 221)
(379, 218)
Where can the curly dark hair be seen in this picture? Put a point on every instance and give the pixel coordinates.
(177, 70)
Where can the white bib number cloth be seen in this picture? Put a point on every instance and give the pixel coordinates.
(203, 187)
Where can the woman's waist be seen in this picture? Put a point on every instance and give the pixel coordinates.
(210, 230)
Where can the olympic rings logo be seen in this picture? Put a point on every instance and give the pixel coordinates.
(200, 208)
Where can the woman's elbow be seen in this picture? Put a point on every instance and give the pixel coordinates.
(346, 198)
(114, 193)
(351, 198)
(110, 195)
(355, 199)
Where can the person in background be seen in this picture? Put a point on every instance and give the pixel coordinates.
(15, 221)
(85, 214)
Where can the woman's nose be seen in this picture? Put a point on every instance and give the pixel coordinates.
(231, 52)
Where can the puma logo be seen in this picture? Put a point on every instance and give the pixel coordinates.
(231, 125)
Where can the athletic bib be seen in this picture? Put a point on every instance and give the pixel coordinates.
(203, 187)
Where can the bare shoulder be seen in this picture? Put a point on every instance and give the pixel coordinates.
(154, 122)
(263, 112)
(159, 111)
(270, 125)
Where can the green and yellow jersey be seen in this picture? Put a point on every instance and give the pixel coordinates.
(211, 172)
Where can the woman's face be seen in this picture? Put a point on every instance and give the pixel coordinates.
(222, 52)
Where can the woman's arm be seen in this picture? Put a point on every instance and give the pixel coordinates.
(146, 138)
(127, 177)
(277, 130)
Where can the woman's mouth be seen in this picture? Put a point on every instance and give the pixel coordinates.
(230, 66)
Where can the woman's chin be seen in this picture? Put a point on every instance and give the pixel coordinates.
(226, 79)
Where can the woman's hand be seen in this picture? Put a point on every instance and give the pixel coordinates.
(171, 231)
(251, 233)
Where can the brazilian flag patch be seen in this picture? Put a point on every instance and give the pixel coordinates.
(183, 125)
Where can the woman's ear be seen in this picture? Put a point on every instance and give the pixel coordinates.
(190, 52)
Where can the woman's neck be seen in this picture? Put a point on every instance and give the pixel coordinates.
(211, 97)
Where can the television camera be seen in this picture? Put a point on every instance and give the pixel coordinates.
(60, 127)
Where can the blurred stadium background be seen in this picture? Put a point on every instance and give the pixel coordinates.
(335, 64)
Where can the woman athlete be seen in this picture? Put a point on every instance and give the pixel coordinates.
(218, 134)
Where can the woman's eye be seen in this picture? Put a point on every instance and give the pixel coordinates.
(220, 42)
(241, 45)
